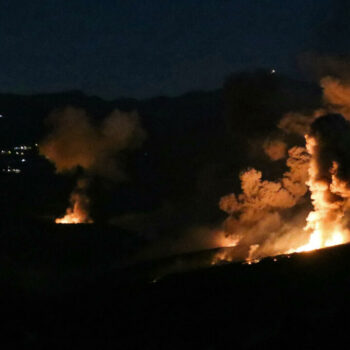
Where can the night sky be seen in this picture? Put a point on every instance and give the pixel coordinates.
(143, 48)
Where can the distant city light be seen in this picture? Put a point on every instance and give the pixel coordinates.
(273, 71)
(16, 154)
(12, 170)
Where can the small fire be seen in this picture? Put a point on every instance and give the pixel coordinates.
(73, 217)
(77, 213)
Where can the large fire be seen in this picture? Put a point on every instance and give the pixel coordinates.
(324, 222)
(257, 215)
(319, 240)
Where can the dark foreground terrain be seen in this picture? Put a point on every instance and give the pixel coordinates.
(70, 294)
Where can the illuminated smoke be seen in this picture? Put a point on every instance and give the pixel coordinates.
(336, 99)
(336, 96)
(76, 142)
(328, 143)
(259, 212)
(275, 149)
(264, 216)
(271, 218)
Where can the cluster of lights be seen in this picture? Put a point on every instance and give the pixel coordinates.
(23, 147)
(18, 151)
(11, 170)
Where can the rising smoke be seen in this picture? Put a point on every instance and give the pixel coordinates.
(76, 142)
(268, 217)
(274, 217)
(275, 149)
(328, 143)
(259, 214)
(333, 74)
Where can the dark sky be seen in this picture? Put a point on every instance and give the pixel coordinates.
(143, 48)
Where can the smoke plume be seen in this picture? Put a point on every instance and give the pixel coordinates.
(328, 143)
(259, 212)
(308, 207)
(275, 149)
(76, 142)
(336, 99)
(270, 218)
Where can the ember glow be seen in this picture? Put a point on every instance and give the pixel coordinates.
(266, 216)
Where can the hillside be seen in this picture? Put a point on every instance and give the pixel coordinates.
(293, 302)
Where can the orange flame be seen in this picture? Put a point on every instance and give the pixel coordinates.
(77, 213)
(325, 224)
(225, 240)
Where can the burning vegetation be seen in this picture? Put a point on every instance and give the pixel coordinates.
(308, 207)
(78, 211)
(305, 209)
(76, 142)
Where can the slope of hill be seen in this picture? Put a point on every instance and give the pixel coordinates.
(296, 302)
